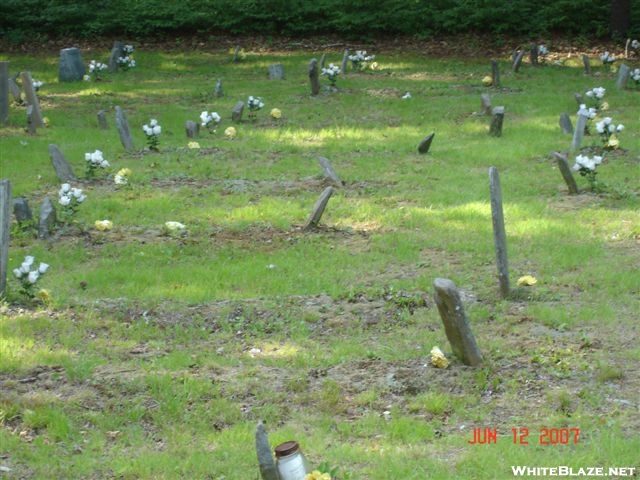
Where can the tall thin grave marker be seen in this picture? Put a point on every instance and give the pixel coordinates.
(499, 234)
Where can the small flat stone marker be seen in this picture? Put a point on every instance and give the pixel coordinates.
(495, 130)
(425, 144)
(21, 210)
(318, 209)
(276, 71)
(587, 64)
(567, 175)
(329, 172)
(5, 225)
(456, 324)
(123, 129)
(499, 233)
(623, 76)
(60, 165)
(102, 120)
(565, 123)
(236, 113)
(47, 218)
(71, 67)
(217, 90)
(314, 77)
(192, 129)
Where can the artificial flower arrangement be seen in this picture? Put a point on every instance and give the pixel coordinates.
(331, 72)
(254, 104)
(28, 274)
(210, 120)
(152, 130)
(95, 160)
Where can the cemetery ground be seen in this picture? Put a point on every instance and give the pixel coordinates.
(153, 353)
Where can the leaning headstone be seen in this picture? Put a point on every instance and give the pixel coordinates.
(623, 76)
(71, 67)
(499, 234)
(236, 113)
(276, 71)
(565, 123)
(116, 52)
(5, 225)
(495, 74)
(123, 129)
(268, 470)
(533, 55)
(578, 133)
(495, 130)
(329, 172)
(47, 218)
(456, 325)
(21, 210)
(31, 124)
(102, 119)
(60, 165)
(318, 209)
(517, 62)
(4, 93)
(485, 104)
(567, 175)
(32, 99)
(314, 77)
(236, 54)
(14, 88)
(217, 90)
(192, 129)
(345, 60)
(425, 144)
(587, 64)
(323, 60)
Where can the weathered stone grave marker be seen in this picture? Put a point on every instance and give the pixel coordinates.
(495, 130)
(4, 93)
(314, 77)
(533, 55)
(323, 60)
(102, 120)
(329, 172)
(276, 71)
(14, 88)
(425, 144)
(517, 61)
(579, 99)
(345, 61)
(47, 218)
(499, 234)
(268, 470)
(21, 210)
(456, 324)
(32, 99)
(117, 51)
(192, 129)
(5, 224)
(318, 209)
(31, 124)
(567, 175)
(236, 113)
(61, 166)
(623, 76)
(485, 104)
(565, 123)
(236, 54)
(71, 67)
(586, 62)
(578, 133)
(495, 74)
(217, 90)
(123, 129)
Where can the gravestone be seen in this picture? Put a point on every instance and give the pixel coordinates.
(60, 165)
(217, 90)
(329, 172)
(567, 175)
(31, 125)
(499, 234)
(71, 67)
(5, 225)
(495, 130)
(578, 133)
(533, 55)
(102, 120)
(192, 129)
(323, 60)
(587, 64)
(268, 470)
(21, 210)
(345, 60)
(425, 144)
(565, 123)
(236, 54)
(123, 129)
(318, 209)
(47, 218)
(32, 99)
(4, 93)
(236, 113)
(485, 104)
(517, 62)
(495, 74)
(314, 77)
(117, 51)
(456, 324)
(276, 71)
(16, 93)
(623, 76)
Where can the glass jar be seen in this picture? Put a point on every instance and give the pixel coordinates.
(290, 461)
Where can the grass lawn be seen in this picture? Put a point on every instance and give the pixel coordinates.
(153, 353)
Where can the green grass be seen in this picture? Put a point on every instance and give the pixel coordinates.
(156, 353)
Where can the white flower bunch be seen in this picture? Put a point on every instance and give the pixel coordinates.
(606, 125)
(95, 67)
(28, 274)
(590, 112)
(635, 75)
(596, 93)
(210, 120)
(635, 44)
(127, 49)
(126, 62)
(587, 164)
(69, 196)
(331, 72)
(542, 50)
(152, 130)
(358, 59)
(254, 103)
(37, 84)
(95, 160)
(607, 57)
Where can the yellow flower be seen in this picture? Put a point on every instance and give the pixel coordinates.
(103, 225)
(317, 475)
(173, 226)
(193, 145)
(44, 295)
(527, 280)
(487, 81)
(45, 121)
(276, 113)
(438, 359)
(230, 132)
